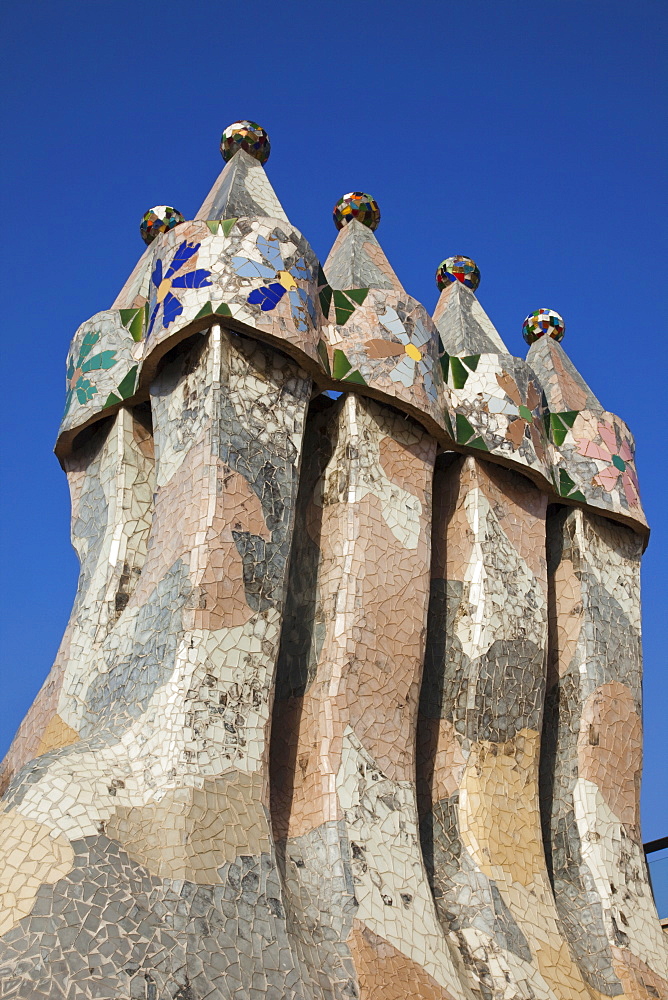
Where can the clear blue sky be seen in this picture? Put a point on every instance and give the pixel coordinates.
(528, 135)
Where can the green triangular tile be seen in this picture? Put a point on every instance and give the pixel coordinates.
(127, 315)
(358, 295)
(111, 399)
(223, 310)
(464, 430)
(341, 364)
(559, 432)
(126, 386)
(444, 359)
(471, 361)
(136, 327)
(325, 296)
(206, 310)
(478, 443)
(343, 307)
(459, 373)
(566, 484)
(355, 377)
(226, 225)
(133, 321)
(213, 225)
(568, 416)
(343, 315)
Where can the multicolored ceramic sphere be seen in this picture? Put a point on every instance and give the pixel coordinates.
(159, 219)
(356, 205)
(542, 322)
(458, 268)
(248, 136)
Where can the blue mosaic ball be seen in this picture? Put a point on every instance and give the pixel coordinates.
(248, 136)
(541, 323)
(458, 268)
(159, 219)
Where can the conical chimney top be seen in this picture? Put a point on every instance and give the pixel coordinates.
(564, 387)
(357, 260)
(463, 324)
(241, 189)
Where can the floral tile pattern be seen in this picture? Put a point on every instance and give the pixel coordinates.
(271, 264)
(181, 273)
(102, 367)
(392, 342)
(499, 400)
(78, 370)
(529, 410)
(411, 351)
(617, 457)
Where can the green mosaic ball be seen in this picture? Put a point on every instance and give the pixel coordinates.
(159, 219)
(356, 205)
(458, 268)
(543, 322)
(248, 136)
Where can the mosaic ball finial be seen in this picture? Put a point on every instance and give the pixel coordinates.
(356, 205)
(458, 268)
(542, 322)
(159, 219)
(248, 136)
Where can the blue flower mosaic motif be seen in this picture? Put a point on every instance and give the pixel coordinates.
(77, 384)
(163, 284)
(273, 265)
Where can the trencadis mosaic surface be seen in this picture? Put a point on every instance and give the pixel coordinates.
(349, 702)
